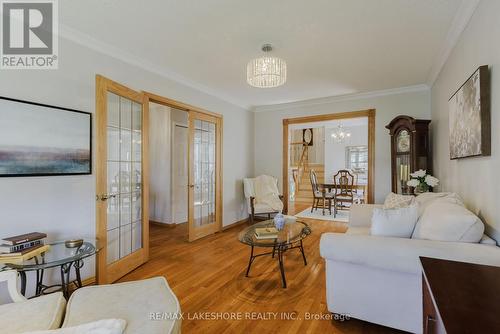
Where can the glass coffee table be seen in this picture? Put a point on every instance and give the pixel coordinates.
(58, 255)
(289, 237)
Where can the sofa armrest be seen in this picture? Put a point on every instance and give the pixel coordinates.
(10, 276)
(402, 254)
(361, 214)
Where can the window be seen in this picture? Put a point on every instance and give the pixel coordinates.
(357, 161)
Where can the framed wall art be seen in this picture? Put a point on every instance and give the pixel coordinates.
(43, 140)
(469, 117)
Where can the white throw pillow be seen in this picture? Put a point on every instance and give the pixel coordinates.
(395, 201)
(446, 221)
(105, 326)
(394, 222)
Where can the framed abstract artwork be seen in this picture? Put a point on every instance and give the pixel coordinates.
(469, 117)
(42, 140)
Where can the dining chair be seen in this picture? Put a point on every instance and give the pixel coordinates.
(344, 188)
(318, 195)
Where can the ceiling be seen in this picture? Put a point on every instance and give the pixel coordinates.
(332, 47)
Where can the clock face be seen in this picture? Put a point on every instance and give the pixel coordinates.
(403, 141)
(307, 136)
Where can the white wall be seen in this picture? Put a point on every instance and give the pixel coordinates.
(335, 158)
(160, 156)
(65, 206)
(268, 129)
(161, 120)
(475, 179)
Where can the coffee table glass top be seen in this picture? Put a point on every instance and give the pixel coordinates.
(56, 255)
(292, 232)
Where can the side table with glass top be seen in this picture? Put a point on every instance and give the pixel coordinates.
(289, 237)
(58, 255)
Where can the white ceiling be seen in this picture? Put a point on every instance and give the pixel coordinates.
(332, 47)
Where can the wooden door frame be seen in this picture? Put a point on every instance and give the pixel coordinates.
(133, 260)
(154, 98)
(369, 113)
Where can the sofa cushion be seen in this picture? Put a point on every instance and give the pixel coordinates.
(395, 201)
(394, 222)
(446, 221)
(401, 254)
(106, 326)
(361, 214)
(428, 198)
(148, 306)
(486, 240)
(40, 313)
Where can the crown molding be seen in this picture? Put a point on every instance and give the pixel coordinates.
(126, 57)
(341, 98)
(460, 21)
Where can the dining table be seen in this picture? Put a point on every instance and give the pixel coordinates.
(330, 187)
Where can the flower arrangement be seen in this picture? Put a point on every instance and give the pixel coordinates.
(421, 181)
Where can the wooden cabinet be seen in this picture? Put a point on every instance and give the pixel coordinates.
(410, 150)
(459, 297)
(431, 321)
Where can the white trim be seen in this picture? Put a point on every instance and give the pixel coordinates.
(462, 18)
(339, 98)
(117, 53)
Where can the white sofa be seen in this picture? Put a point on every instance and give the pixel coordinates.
(378, 279)
(148, 306)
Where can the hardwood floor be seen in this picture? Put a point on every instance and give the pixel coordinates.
(208, 275)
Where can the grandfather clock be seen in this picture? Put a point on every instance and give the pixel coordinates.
(410, 150)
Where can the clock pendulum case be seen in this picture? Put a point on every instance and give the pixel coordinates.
(410, 150)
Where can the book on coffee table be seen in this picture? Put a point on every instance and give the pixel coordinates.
(18, 239)
(26, 254)
(266, 233)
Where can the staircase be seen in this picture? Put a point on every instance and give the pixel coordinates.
(303, 194)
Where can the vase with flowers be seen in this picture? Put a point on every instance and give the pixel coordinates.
(421, 181)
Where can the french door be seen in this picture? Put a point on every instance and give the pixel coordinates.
(205, 179)
(122, 226)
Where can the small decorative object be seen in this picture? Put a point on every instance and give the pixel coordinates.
(469, 119)
(422, 182)
(279, 221)
(307, 137)
(73, 243)
(43, 140)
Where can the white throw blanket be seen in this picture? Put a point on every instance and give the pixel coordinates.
(266, 192)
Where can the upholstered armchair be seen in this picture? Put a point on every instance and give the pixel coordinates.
(257, 209)
(104, 307)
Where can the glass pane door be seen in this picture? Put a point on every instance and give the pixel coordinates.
(121, 180)
(124, 129)
(204, 173)
(204, 176)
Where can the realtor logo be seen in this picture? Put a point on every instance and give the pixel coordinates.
(29, 34)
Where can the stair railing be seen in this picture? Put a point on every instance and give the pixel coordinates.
(301, 167)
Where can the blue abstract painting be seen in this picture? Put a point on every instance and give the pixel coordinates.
(38, 140)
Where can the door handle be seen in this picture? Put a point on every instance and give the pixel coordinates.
(104, 197)
(191, 185)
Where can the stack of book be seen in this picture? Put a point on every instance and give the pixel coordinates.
(22, 247)
(266, 233)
